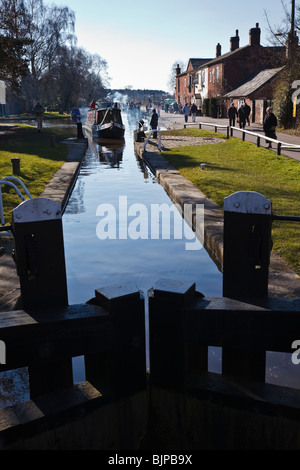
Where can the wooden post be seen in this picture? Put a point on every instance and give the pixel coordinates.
(79, 131)
(247, 245)
(173, 361)
(122, 370)
(279, 148)
(39, 253)
(16, 166)
(258, 141)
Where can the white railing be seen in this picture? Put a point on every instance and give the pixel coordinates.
(6, 181)
(159, 138)
(280, 145)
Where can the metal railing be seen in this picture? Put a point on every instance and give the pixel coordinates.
(216, 126)
(6, 181)
(159, 138)
(229, 131)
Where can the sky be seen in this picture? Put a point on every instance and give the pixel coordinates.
(142, 40)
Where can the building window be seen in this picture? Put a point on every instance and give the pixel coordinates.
(213, 76)
(209, 77)
(217, 73)
(178, 85)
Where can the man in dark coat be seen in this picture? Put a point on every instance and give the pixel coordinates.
(154, 122)
(247, 112)
(242, 117)
(232, 113)
(270, 123)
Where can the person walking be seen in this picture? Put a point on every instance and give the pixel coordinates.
(242, 117)
(247, 112)
(193, 112)
(39, 112)
(270, 123)
(154, 122)
(232, 114)
(186, 112)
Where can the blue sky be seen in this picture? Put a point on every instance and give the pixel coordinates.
(141, 40)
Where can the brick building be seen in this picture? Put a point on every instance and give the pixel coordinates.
(218, 76)
(185, 81)
(257, 92)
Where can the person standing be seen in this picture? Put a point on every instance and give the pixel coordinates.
(194, 112)
(39, 112)
(186, 112)
(242, 117)
(270, 123)
(232, 114)
(247, 112)
(154, 122)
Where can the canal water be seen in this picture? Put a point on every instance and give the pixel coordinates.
(107, 176)
(113, 178)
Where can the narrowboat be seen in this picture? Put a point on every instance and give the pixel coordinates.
(105, 123)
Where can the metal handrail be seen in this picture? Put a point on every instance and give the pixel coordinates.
(6, 180)
(159, 138)
(221, 126)
(280, 144)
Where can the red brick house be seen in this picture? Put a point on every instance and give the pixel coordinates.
(185, 89)
(227, 71)
(257, 92)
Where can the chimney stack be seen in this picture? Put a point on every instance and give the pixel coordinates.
(218, 50)
(235, 41)
(178, 70)
(254, 36)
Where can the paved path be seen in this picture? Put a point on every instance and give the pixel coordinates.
(176, 121)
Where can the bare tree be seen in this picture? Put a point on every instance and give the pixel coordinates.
(13, 42)
(48, 28)
(172, 76)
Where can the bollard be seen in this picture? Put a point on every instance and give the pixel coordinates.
(16, 166)
(79, 131)
(39, 253)
(247, 245)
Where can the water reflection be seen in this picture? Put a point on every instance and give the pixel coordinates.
(109, 173)
(111, 153)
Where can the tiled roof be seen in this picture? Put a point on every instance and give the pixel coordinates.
(253, 83)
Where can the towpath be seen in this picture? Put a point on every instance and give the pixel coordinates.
(176, 121)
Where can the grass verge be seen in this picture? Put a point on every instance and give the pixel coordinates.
(234, 166)
(39, 160)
